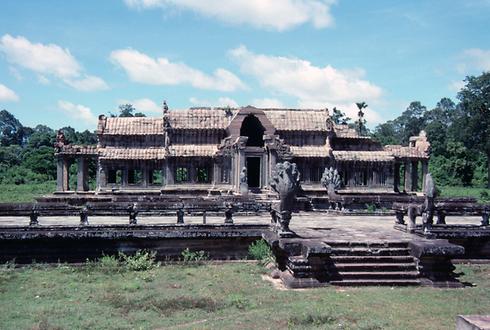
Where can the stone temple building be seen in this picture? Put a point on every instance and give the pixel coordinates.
(211, 150)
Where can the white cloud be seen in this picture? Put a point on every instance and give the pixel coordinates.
(267, 103)
(144, 104)
(474, 60)
(313, 86)
(78, 112)
(87, 84)
(43, 80)
(160, 71)
(6, 94)
(456, 86)
(268, 14)
(220, 102)
(48, 60)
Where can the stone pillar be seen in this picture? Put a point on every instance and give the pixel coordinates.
(415, 175)
(408, 176)
(101, 175)
(396, 177)
(169, 173)
(216, 176)
(241, 162)
(192, 172)
(145, 176)
(425, 170)
(59, 174)
(125, 175)
(82, 182)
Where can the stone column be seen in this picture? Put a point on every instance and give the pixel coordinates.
(62, 174)
(125, 175)
(425, 170)
(192, 172)
(408, 176)
(396, 177)
(82, 182)
(101, 175)
(145, 173)
(216, 176)
(169, 173)
(415, 175)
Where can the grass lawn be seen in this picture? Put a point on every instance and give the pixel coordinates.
(449, 191)
(213, 296)
(10, 193)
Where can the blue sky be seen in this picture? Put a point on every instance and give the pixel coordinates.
(65, 62)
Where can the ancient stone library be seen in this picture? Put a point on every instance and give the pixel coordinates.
(214, 150)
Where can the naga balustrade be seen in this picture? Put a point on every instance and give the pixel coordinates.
(131, 209)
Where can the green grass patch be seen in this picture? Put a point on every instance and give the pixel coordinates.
(220, 296)
(480, 193)
(25, 193)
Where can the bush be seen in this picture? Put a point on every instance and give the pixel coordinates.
(142, 260)
(484, 196)
(260, 250)
(193, 256)
(371, 208)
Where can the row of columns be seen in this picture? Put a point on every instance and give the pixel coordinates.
(63, 174)
(411, 174)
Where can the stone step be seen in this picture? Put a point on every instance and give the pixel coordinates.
(370, 251)
(371, 259)
(373, 266)
(377, 282)
(368, 275)
(387, 244)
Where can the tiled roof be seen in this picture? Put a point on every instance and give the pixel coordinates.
(200, 119)
(73, 149)
(204, 118)
(193, 150)
(132, 153)
(297, 120)
(363, 156)
(310, 151)
(133, 126)
(405, 152)
(178, 150)
(344, 131)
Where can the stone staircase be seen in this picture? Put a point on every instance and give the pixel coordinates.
(363, 263)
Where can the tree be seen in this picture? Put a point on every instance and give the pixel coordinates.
(475, 119)
(127, 110)
(11, 130)
(339, 117)
(361, 122)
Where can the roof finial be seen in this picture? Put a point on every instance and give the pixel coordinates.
(165, 106)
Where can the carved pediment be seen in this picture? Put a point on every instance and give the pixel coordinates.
(273, 142)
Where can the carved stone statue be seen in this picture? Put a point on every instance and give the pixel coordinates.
(165, 107)
(332, 181)
(430, 193)
(243, 181)
(286, 182)
(60, 140)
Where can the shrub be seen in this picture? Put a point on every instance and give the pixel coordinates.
(260, 250)
(484, 196)
(371, 208)
(142, 260)
(189, 256)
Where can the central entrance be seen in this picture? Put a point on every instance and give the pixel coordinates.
(253, 172)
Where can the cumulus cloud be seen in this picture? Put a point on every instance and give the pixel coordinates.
(267, 103)
(267, 14)
(49, 60)
(220, 102)
(160, 71)
(143, 104)
(311, 85)
(6, 94)
(78, 112)
(474, 60)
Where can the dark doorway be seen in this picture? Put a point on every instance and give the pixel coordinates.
(252, 128)
(253, 172)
